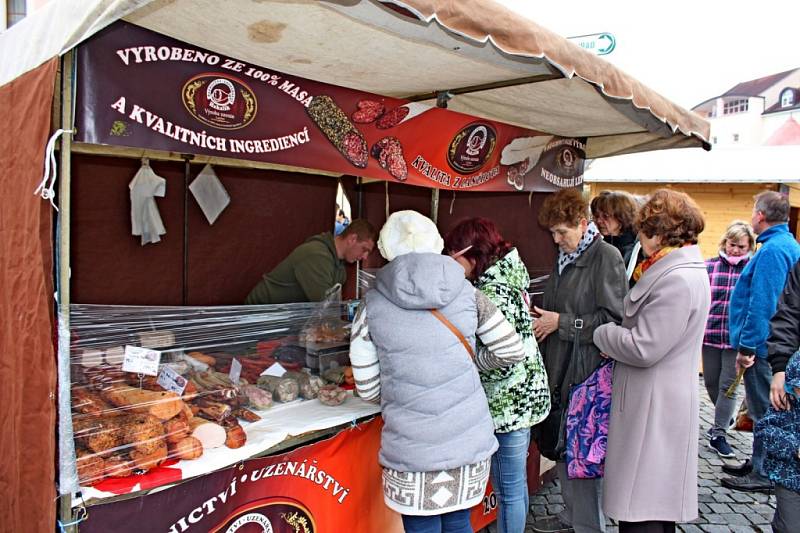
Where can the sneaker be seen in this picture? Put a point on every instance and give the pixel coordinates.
(551, 524)
(720, 445)
(708, 433)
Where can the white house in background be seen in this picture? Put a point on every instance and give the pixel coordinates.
(755, 138)
(750, 113)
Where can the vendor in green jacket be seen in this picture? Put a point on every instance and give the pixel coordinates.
(314, 267)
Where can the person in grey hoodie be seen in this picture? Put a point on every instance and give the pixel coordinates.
(438, 437)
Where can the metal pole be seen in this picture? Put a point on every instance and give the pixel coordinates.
(360, 211)
(63, 251)
(186, 169)
(435, 205)
(360, 189)
(441, 101)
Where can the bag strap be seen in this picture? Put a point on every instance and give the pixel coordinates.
(451, 327)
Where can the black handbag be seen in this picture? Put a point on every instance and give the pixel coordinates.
(548, 434)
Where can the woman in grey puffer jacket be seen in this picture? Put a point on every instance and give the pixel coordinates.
(438, 437)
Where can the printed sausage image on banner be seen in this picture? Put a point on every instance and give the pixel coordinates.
(208, 104)
(392, 118)
(336, 126)
(368, 111)
(389, 153)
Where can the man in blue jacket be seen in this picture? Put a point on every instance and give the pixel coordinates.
(752, 304)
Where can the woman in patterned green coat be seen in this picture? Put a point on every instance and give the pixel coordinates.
(518, 395)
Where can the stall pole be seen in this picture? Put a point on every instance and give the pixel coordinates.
(63, 250)
(435, 205)
(186, 169)
(360, 214)
(360, 192)
(441, 101)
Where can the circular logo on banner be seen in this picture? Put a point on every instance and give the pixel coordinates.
(268, 515)
(251, 518)
(568, 161)
(471, 147)
(220, 101)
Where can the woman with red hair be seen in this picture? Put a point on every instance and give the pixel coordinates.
(518, 395)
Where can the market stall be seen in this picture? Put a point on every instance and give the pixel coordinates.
(524, 108)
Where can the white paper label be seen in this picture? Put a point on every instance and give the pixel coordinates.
(236, 371)
(171, 380)
(275, 370)
(141, 360)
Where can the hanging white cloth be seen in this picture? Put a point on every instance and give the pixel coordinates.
(210, 194)
(145, 218)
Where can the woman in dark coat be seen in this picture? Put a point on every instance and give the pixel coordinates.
(614, 213)
(585, 290)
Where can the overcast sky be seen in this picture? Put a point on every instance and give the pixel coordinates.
(688, 51)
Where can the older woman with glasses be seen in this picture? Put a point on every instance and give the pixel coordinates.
(614, 212)
(584, 290)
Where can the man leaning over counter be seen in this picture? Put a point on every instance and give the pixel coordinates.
(314, 267)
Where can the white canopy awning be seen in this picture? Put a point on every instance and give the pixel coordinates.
(761, 164)
(497, 64)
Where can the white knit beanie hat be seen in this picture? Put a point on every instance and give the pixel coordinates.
(408, 232)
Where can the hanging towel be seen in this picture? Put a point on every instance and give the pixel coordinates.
(209, 193)
(145, 219)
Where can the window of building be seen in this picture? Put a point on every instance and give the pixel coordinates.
(15, 11)
(714, 139)
(736, 137)
(787, 98)
(735, 106)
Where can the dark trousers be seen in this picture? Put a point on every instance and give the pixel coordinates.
(787, 510)
(452, 522)
(652, 526)
(757, 382)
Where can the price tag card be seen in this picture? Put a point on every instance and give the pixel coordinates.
(171, 380)
(141, 360)
(236, 371)
(275, 370)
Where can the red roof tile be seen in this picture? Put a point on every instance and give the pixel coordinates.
(788, 133)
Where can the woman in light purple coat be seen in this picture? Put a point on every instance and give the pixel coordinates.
(651, 462)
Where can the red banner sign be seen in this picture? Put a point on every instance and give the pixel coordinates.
(140, 89)
(333, 485)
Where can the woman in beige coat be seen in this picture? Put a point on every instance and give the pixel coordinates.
(651, 462)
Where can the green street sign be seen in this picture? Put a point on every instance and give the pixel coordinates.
(599, 43)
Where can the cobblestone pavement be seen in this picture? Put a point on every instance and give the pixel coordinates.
(721, 509)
